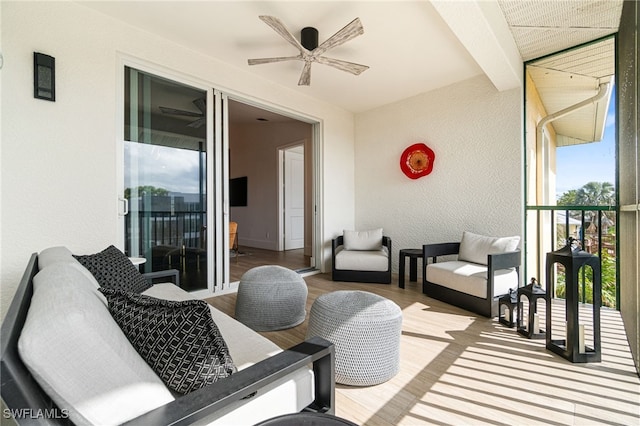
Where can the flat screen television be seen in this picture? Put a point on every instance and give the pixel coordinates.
(238, 192)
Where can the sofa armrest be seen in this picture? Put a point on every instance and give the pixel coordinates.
(498, 261)
(337, 242)
(386, 242)
(433, 251)
(440, 249)
(506, 260)
(204, 402)
(168, 273)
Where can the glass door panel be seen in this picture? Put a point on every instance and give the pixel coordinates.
(165, 176)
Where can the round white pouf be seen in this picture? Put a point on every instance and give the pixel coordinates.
(271, 298)
(365, 329)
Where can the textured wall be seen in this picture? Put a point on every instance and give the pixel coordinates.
(476, 183)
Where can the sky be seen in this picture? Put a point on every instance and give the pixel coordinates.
(173, 169)
(577, 165)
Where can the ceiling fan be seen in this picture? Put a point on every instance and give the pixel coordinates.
(200, 103)
(310, 51)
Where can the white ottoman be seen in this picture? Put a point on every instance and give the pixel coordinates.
(365, 329)
(271, 298)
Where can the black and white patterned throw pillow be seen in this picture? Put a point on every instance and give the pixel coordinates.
(113, 269)
(179, 340)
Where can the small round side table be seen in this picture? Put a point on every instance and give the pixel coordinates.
(137, 260)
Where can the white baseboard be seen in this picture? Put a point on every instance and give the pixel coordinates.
(244, 243)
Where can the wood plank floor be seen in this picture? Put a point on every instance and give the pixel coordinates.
(251, 257)
(458, 368)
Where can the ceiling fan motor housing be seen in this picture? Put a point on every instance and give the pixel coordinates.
(309, 38)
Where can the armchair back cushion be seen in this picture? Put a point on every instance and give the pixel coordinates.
(363, 240)
(475, 248)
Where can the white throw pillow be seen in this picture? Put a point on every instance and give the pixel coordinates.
(475, 248)
(363, 240)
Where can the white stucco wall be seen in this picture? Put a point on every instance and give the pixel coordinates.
(59, 159)
(476, 183)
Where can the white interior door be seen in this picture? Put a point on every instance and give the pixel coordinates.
(293, 198)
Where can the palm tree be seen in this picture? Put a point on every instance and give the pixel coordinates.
(596, 194)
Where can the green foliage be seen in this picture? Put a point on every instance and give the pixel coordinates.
(593, 194)
(596, 194)
(569, 198)
(147, 190)
(590, 194)
(608, 279)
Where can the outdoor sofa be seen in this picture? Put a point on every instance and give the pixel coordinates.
(483, 269)
(66, 361)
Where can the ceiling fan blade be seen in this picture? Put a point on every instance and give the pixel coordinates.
(270, 60)
(201, 104)
(198, 123)
(174, 111)
(350, 67)
(305, 77)
(279, 27)
(350, 31)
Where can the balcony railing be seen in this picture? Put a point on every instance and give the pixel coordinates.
(166, 228)
(548, 229)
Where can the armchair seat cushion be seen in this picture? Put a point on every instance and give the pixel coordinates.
(470, 278)
(361, 260)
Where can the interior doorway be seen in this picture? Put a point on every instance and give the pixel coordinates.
(259, 141)
(292, 195)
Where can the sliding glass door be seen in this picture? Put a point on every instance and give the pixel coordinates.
(165, 176)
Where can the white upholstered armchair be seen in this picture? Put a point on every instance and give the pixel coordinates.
(361, 256)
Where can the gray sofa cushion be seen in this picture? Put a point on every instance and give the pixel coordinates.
(52, 255)
(79, 355)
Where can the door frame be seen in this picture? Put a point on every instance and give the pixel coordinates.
(123, 61)
(316, 186)
(281, 196)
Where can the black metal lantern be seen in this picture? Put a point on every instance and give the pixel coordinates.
(530, 326)
(573, 346)
(507, 308)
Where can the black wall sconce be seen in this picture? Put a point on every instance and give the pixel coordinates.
(44, 76)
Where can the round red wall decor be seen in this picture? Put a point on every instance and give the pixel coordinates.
(417, 161)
